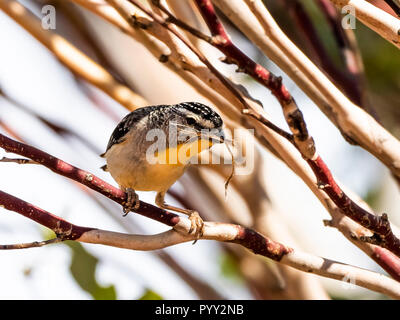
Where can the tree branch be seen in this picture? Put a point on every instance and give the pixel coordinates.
(248, 238)
(383, 23)
(63, 229)
(303, 141)
(197, 52)
(75, 60)
(35, 244)
(349, 79)
(395, 5)
(65, 169)
(135, 22)
(383, 234)
(354, 123)
(180, 60)
(236, 56)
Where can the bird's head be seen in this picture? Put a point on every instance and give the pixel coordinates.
(201, 120)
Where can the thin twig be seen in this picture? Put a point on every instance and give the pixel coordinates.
(18, 161)
(35, 244)
(172, 19)
(197, 52)
(269, 124)
(57, 128)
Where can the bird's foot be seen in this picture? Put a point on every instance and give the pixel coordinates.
(196, 222)
(132, 201)
(197, 225)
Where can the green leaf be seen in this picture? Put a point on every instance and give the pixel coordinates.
(83, 269)
(150, 295)
(373, 196)
(229, 267)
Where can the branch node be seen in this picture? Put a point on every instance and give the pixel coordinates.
(353, 235)
(384, 223)
(321, 185)
(219, 40)
(375, 239)
(138, 23)
(276, 82)
(163, 58)
(328, 222)
(227, 60)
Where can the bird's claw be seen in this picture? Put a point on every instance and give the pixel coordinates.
(132, 201)
(197, 225)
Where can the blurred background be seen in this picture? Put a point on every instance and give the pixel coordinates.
(43, 104)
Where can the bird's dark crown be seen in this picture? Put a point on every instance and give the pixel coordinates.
(210, 118)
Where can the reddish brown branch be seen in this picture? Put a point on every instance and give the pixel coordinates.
(63, 229)
(222, 41)
(261, 245)
(68, 231)
(294, 118)
(273, 82)
(248, 238)
(388, 261)
(348, 80)
(67, 170)
(383, 234)
(234, 55)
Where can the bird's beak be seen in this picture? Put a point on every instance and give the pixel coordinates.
(219, 138)
(214, 138)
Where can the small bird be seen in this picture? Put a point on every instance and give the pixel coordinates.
(138, 163)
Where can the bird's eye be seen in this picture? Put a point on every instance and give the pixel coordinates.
(191, 121)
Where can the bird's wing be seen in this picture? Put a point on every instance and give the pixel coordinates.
(126, 124)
